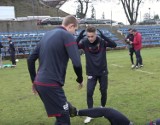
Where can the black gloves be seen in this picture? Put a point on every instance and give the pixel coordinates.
(79, 79)
(80, 36)
(110, 42)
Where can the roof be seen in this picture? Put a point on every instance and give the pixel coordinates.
(54, 3)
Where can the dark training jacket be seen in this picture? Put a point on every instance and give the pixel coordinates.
(1, 46)
(11, 47)
(54, 51)
(95, 53)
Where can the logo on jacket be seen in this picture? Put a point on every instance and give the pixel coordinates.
(90, 77)
(66, 107)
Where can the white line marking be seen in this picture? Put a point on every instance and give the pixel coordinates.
(139, 70)
(144, 71)
(117, 65)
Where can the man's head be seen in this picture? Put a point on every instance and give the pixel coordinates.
(91, 34)
(70, 23)
(134, 31)
(9, 38)
(130, 30)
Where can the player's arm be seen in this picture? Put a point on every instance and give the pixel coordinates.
(31, 62)
(72, 50)
(80, 36)
(108, 41)
(127, 41)
(79, 39)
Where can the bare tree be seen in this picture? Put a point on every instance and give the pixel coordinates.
(131, 8)
(93, 12)
(84, 5)
(103, 15)
(156, 17)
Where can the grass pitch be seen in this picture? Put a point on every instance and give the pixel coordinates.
(135, 92)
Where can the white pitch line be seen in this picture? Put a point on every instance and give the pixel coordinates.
(117, 65)
(139, 70)
(144, 71)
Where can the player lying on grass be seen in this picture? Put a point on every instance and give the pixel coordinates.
(114, 116)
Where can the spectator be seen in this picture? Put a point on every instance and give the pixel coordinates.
(1, 46)
(53, 52)
(130, 38)
(96, 64)
(12, 51)
(137, 44)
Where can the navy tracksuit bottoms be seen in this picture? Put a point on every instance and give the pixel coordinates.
(91, 84)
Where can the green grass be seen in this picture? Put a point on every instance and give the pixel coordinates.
(133, 92)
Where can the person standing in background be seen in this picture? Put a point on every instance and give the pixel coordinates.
(130, 38)
(1, 46)
(137, 44)
(12, 51)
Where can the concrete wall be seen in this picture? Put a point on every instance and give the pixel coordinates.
(13, 26)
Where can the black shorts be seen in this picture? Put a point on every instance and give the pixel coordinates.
(54, 100)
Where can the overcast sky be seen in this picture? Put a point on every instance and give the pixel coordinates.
(116, 9)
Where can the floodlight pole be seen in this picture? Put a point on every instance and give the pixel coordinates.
(149, 13)
(111, 15)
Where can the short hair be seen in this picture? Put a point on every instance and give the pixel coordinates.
(69, 20)
(9, 37)
(134, 30)
(130, 29)
(91, 29)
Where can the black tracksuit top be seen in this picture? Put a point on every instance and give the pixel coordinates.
(95, 53)
(53, 51)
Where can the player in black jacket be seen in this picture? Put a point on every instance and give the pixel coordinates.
(129, 39)
(53, 52)
(12, 51)
(96, 63)
(1, 46)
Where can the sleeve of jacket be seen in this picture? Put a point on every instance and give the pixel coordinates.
(79, 39)
(137, 39)
(73, 52)
(1, 46)
(31, 62)
(109, 42)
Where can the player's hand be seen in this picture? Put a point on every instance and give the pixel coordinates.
(131, 42)
(34, 89)
(80, 86)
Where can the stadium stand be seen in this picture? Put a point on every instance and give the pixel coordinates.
(25, 42)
